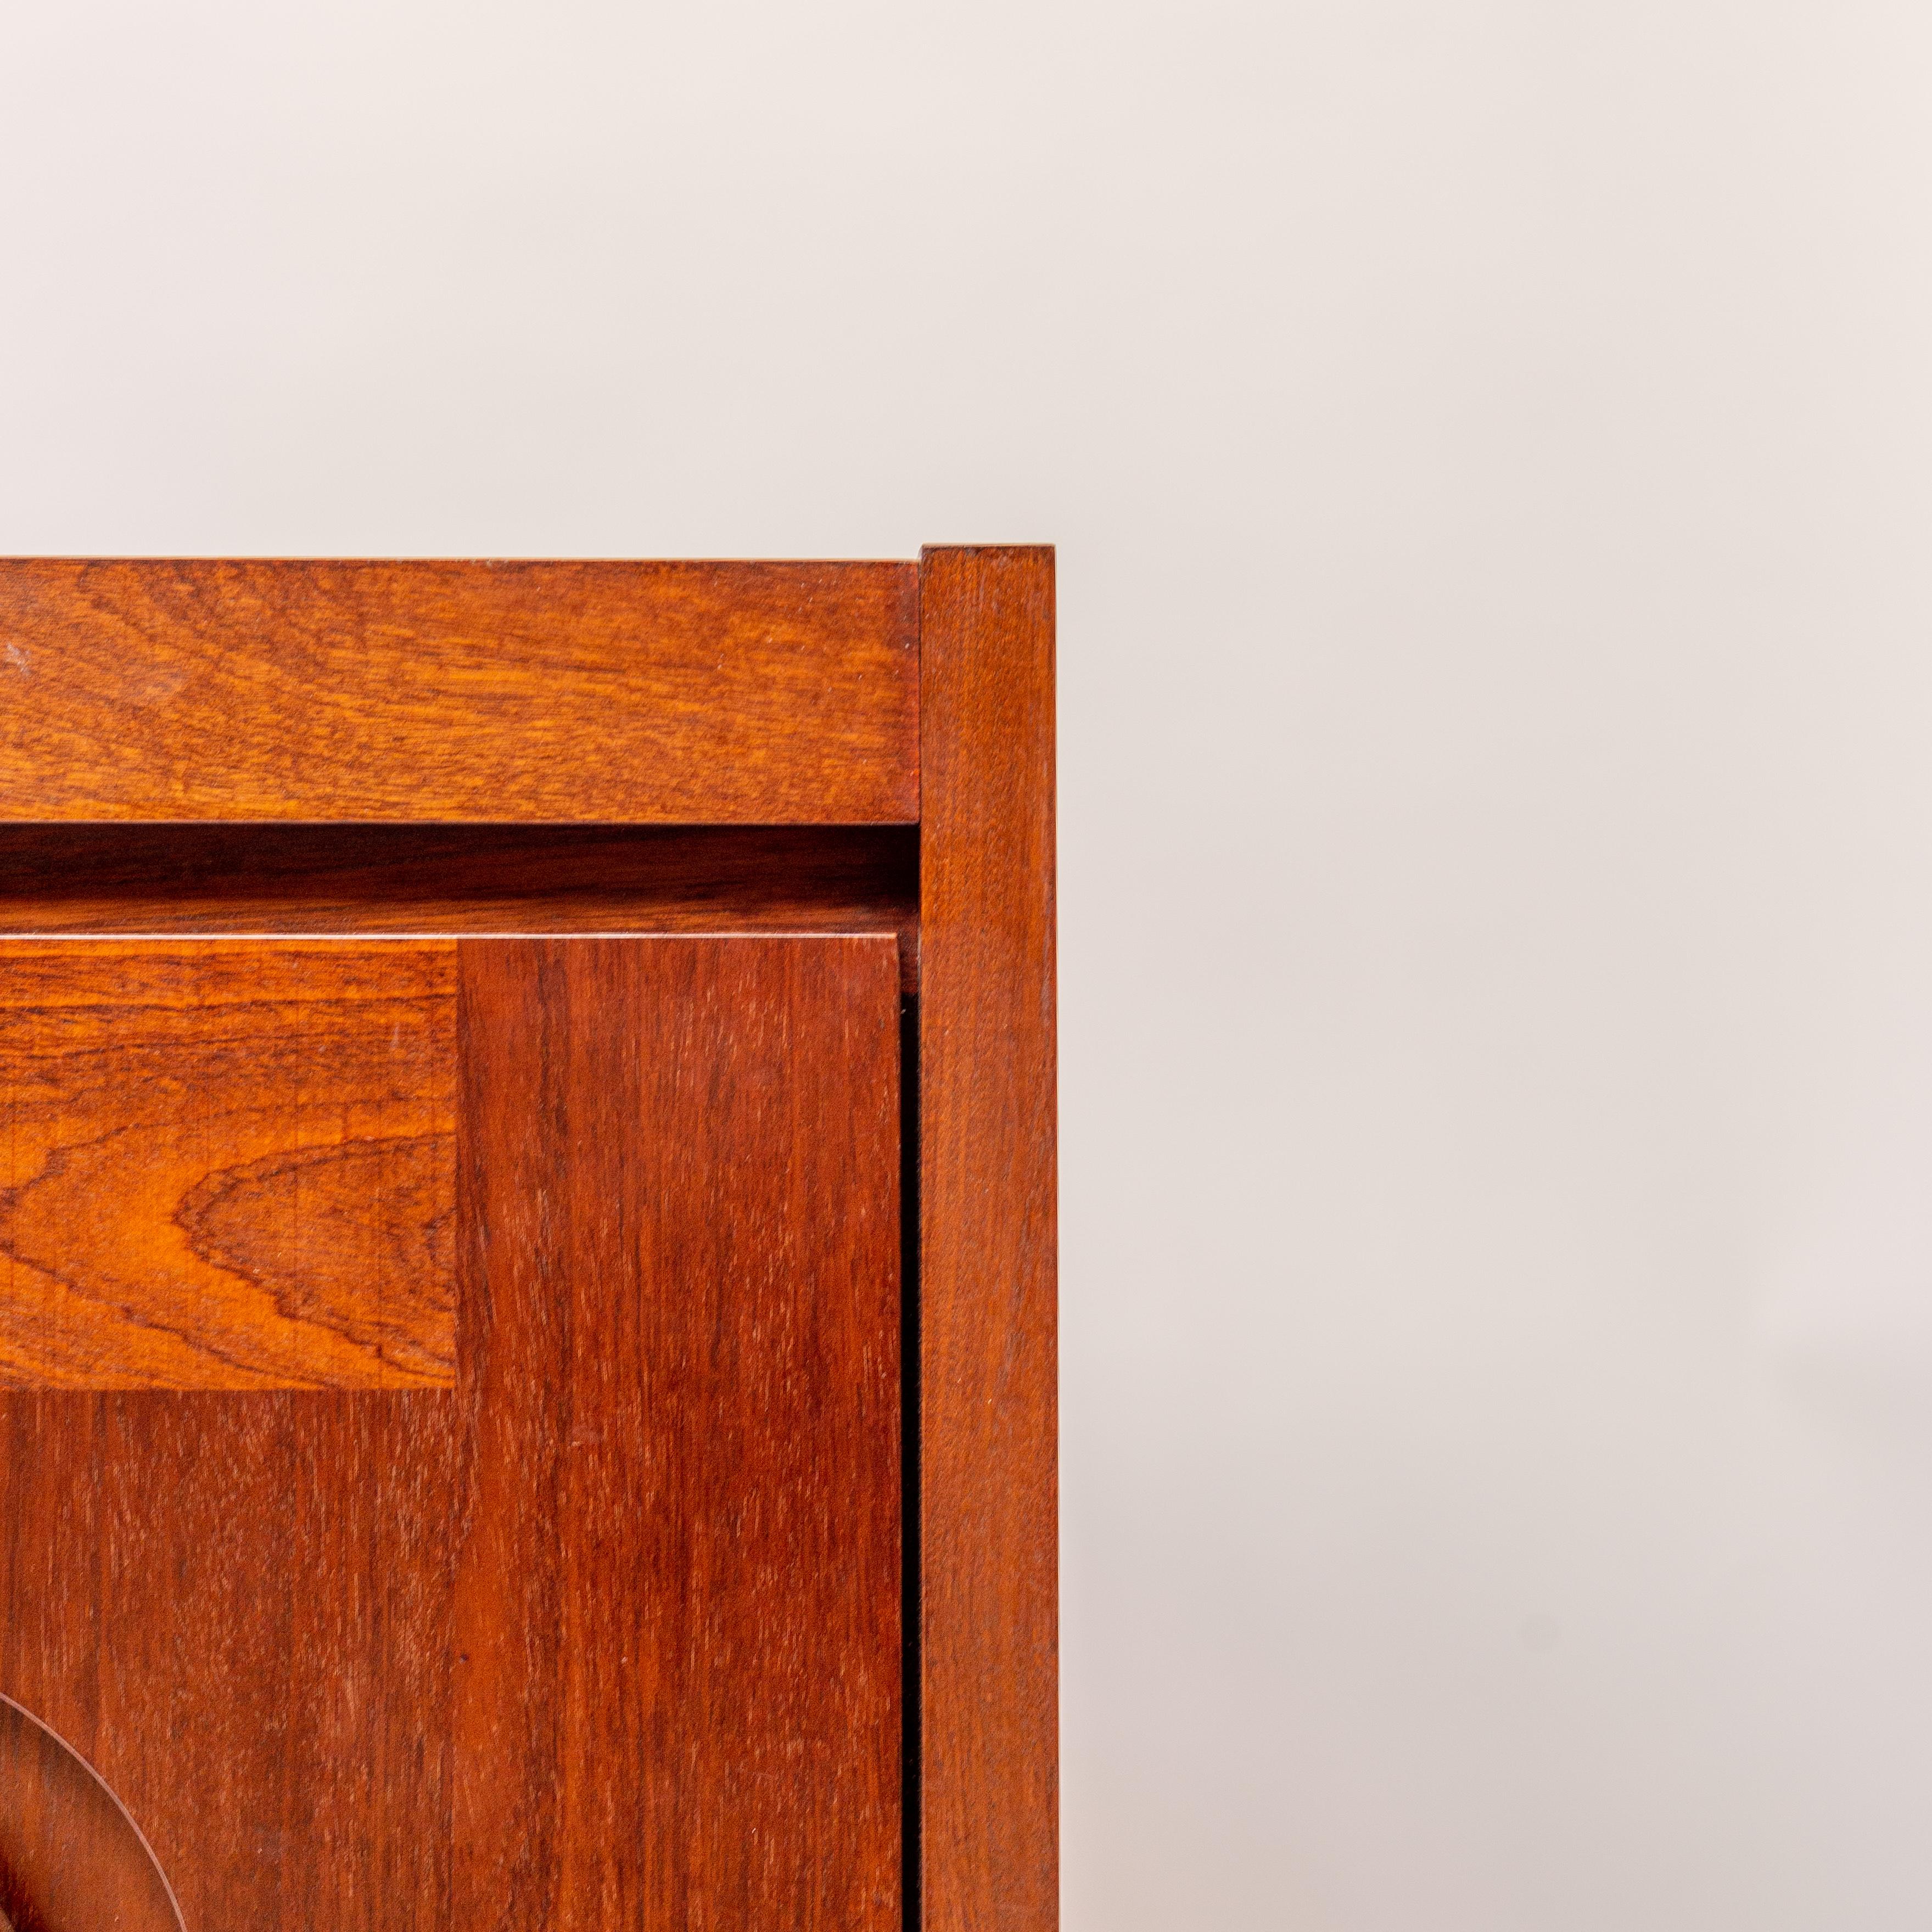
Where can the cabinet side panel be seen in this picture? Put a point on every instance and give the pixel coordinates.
(987, 1222)
(677, 1599)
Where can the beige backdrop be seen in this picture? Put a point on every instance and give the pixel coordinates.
(1491, 449)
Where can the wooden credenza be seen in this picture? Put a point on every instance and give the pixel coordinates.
(526, 1337)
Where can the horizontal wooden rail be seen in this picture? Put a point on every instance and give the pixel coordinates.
(722, 693)
(421, 879)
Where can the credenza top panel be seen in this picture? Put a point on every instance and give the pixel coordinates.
(164, 690)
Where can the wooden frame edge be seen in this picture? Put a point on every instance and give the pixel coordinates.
(988, 1736)
(459, 692)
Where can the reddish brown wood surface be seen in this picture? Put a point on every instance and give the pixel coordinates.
(71, 1859)
(462, 878)
(609, 1634)
(357, 1654)
(679, 1673)
(988, 1221)
(237, 1607)
(228, 1164)
(628, 693)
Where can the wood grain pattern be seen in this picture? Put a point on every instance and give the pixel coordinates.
(229, 1164)
(237, 1606)
(71, 1859)
(988, 1221)
(605, 1633)
(458, 878)
(606, 1636)
(627, 693)
(678, 1644)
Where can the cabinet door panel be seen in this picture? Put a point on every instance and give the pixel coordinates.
(591, 1622)
(678, 1636)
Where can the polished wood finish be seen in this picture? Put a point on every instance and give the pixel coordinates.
(463, 878)
(626, 693)
(678, 1684)
(237, 1607)
(228, 1164)
(608, 1634)
(71, 1859)
(596, 1624)
(987, 1269)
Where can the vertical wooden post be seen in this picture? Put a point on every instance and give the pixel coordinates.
(989, 1857)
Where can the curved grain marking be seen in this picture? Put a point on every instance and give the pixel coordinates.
(225, 1164)
(72, 1859)
(374, 1265)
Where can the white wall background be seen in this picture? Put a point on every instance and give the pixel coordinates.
(1490, 446)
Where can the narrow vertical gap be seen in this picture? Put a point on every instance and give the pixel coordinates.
(910, 1610)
